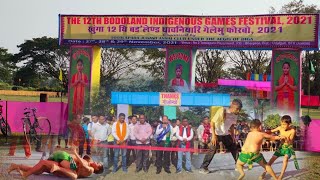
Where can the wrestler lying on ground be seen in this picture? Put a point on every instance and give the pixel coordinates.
(61, 164)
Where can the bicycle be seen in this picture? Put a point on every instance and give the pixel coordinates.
(39, 130)
(5, 127)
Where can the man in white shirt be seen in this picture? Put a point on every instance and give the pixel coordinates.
(174, 154)
(164, 135)
(184, 135)
(94, 120)
(100, 132)
(131, 140)
(222, 126)
(120, 132)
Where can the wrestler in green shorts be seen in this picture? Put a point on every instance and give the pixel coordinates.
(250, 158)
(283, 150)
(59, 156)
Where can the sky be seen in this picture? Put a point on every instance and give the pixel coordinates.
(26, 19)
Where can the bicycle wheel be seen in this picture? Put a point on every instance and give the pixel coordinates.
(43, 132)
(5, 130)
(27, 131)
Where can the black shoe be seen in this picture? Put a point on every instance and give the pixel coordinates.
(158, 171)
(189, 171)
(204, 171)
(178, 172)
(145, 169)
(138, 170)
(168, 171)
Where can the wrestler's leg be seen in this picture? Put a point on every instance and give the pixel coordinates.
(267, 168)
(239, 166)
(42, 166)
(284, 166)
(271, 161)
(14, 166)
(63, 172)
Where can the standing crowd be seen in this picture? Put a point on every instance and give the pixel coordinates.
(106, 138)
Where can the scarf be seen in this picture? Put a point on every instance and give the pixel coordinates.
(165, 132)
(177, 82)
(122, 134)
(188, 135)
(206, 132)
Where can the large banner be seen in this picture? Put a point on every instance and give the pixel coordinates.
(79, 82)
(286, 81)
(178, 69)
(257, 31)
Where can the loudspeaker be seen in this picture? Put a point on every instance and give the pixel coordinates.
(43, 97)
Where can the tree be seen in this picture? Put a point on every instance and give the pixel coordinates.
(7, 66)
(27, 76)
(209, 66)
(252, 61)
(153, 60)
(298, 6)
(272, 121)
(117, 62)
(152, 113)
(44, 57)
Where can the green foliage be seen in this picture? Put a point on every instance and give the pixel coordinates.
(193, 118)
(140, 84)
(272, 121)
(4, 86)
(153, 60)
(209, 67)
(298, 6)
(254, 61)
(296, 123)
(101, 104)
(152, 113)
(42, 59)
(6, 66)
(27, 76)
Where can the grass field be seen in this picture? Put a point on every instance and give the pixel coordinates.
(314, 113)
(31, 98)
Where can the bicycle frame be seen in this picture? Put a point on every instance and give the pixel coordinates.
(33, 125)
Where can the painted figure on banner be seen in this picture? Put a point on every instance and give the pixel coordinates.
(178, 83)
(286, 89)
(79, 83)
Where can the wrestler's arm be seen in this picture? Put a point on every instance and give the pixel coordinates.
(83, 163)
(291, 137)
(276, 129)
(272, 138)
